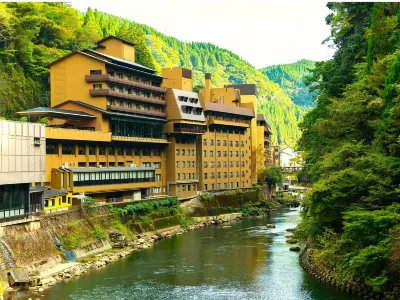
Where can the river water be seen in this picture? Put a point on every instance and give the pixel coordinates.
(240, 262)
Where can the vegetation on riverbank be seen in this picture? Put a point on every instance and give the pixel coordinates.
(352, 146)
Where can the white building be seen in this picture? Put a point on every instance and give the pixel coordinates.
(22, 162)
(288, 158)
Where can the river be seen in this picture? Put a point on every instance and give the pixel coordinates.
(240, 262)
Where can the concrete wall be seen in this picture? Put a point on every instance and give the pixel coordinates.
(22, 152)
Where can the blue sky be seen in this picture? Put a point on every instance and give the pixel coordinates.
(263, 32)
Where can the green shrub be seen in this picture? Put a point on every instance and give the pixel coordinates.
(89, 203)
(98, 232)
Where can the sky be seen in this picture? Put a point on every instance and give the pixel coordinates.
(263, 32)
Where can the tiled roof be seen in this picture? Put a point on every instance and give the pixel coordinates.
(229, 109)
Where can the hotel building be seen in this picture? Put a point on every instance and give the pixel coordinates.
(118, 131)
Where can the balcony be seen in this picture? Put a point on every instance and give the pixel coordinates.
(113, 79)
(77, 135)
(215, 121)
(137, 111)
(139, 139)
(111, 93)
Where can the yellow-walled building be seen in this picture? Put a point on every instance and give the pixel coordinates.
(119, 132)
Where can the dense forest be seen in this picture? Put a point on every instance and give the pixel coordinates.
(290, 78)
(34, 34)
(352, 144)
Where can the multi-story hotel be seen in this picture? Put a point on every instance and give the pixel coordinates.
(118, 131)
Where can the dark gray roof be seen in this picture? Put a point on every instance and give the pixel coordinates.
(53, 192)
(180, 104)
(119, 60)
(229, 109)
(117, 38)
(112, 113)
(245, 89)
(80, 170)
(56, 113)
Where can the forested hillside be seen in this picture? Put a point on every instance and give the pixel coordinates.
(34, 34)
(290, 78)
(352, 144)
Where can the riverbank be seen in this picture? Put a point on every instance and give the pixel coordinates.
(351, 287)
(67, 271)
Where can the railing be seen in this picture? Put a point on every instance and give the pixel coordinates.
(229, 122)
(109, 78)
(137, 111)
(108, 92)
(77, 134)
(138, 139)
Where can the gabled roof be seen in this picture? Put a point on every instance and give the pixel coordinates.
(229, 109)
(56, 113)
(111, 113)
(117, 38)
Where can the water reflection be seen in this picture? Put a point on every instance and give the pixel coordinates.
(241, 262)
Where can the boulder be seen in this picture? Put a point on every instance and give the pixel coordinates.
(270, 226)
(291, 241)
(295, 249)
(272, 234)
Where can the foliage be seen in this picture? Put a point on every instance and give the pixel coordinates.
(206, 197)
(89, 203)
(271, 175)
(290, 78)
(98, 232)
(351, 143)
(44, 121)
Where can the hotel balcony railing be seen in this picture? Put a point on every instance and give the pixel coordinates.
(227, 122)
(139, 139)
(137, 111)
(111, 93)
(113, 79)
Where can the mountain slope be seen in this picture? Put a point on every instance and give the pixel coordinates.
(290, 78)
(33, 34)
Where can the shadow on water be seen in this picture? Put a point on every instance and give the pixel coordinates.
(240, 262)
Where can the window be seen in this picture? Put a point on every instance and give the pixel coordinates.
(219, 175)
(212, 186)
(188, 176)
(225, 154)
(219, 186)
(128, 151)
(193, 176)
(211, 153)
(219, 164)
(68, 149)
(92, 150)
(193, 164)
(178, 188)
(231, 164)
(225, 164)
(102, 150)
(212, 175)
(218, 143)
(119, 151)
(204, 153)
(145, 152)
(110, 150)
(231, 185)
(211, 142)
(205, 175)
(231, 174)
(157, 165)
(189, 187)
(237, 174)
(147, 164)
(218, 153)
(97, 86)
(224, 143)
(225, 185)
(231, 143)
(183, 152)
(237, 164)
(212, 164)
(136, 152)
(178, 176)
(193, 153)
(242, 143)
(183, 176)
(51, 149)
(230, 153)
(188, 152)
(178, 152)
(204, 142)
(178, 164)
(158, 177)
(236, 143)
(225, 174)
(183, 164)
(237, 153)
(205, 164)
(243, 184)
(183, 188)
(156, 152)
(237, 184)
(206, 187)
